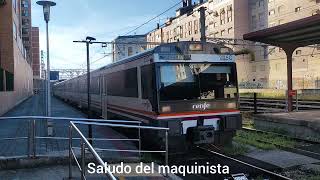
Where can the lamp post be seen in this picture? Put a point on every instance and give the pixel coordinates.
(88, 42)
(46, 12)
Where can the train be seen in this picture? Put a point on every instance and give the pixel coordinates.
(190, 87)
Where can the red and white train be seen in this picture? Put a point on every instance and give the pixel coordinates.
(189, 87)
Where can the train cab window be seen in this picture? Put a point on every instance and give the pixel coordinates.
(187, 81)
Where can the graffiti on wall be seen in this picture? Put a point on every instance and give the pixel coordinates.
(252, 85)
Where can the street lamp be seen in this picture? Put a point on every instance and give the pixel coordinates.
(46, 12)
(88, 42)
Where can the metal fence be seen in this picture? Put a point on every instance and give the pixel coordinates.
(32, 137)
(268, 105)
(85, 143)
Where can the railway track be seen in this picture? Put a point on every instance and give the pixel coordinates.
(305, 147)
(252, 171)
(276, 105)
(240, 167)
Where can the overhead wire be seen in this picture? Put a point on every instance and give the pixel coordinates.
(154, 18)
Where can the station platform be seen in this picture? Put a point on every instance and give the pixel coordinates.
(11, 150)
(304, 124)
(52, 154)
(61, 172)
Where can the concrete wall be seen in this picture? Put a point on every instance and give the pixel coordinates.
(13, 57)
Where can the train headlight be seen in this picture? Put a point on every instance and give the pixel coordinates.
(166, 109)
(195, 47)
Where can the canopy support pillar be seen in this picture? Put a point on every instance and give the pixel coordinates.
(289, 52)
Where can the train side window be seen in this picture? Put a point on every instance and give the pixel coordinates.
(147, 82)
(123, 83)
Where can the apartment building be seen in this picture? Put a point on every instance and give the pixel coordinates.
(26, 28)
(269, 68)
(232, 19)
(15, 71)
(124, 46)
(223, 19)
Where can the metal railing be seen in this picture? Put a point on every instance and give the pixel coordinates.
(85, 143)
(32, 136)
(71, 124)
(265, 105)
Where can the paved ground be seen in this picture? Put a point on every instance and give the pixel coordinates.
(34, 106)
(306, 118)
(304, 124)
(282, 159)
(61, 172)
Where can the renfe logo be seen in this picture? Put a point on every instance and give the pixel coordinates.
(203, 106)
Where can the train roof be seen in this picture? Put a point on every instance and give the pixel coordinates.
(147, 52)
(128, 59)
(139, 55)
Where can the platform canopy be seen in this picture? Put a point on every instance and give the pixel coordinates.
(298, 33)
(290, 36)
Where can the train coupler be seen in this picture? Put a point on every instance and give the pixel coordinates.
(201, 135)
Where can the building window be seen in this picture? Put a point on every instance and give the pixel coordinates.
(223, 33)
(297, 9)
(230, 30)
(261, 19)
(261, 15)
(190, 27)
(130, 51)
(229, 13)
(280, 9)
(196, 27)
(181, 31)
(222, 17)
(254, 68)
(14, 5)
(261, 3)
(254, 22)
(215, 24)
(216, 34)
(14, 30)
(272, 12)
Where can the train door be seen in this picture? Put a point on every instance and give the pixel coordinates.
(104, 102)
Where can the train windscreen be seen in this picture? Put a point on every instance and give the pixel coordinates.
(189, 81)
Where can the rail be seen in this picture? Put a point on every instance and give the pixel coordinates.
(267, 172)
(71, 123)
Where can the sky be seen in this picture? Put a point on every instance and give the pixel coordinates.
(103, 19)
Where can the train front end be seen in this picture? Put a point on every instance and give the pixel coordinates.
(197, 93)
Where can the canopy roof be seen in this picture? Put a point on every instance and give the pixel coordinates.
(298, 33)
